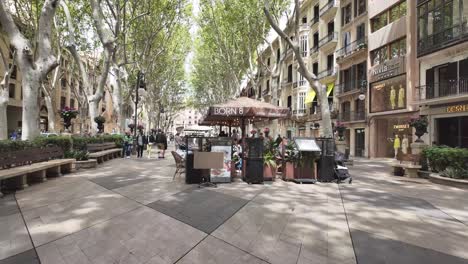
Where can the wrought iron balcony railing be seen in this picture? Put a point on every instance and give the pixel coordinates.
(351, 86)
(445, 89)
(333, 36)
(326, 7)
(443, 38)
(352, 116)
(325, 73)
(352, 47)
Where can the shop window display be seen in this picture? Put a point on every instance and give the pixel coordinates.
(388, 95)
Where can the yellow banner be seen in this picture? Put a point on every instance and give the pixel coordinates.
(330, 87)
(310, 97)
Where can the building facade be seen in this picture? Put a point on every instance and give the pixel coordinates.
(392, 74)
(442, 55)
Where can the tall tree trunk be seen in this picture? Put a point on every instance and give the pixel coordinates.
(4, 97)
(93, 113)
(31, 83)
(50, 113)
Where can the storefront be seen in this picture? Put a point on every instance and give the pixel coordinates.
(448, 124)
(390, 132)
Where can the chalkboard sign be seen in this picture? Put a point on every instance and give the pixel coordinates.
(254, 147)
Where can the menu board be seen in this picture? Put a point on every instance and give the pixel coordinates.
(222, 174)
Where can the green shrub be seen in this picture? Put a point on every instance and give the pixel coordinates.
(14, 145)
(79, 143)
(455, 173)
(77, 154)
(64, 142)
(117, 139)
(439, 158)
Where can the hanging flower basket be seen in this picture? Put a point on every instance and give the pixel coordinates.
(140, 127)
(420, 124)
(131, 126)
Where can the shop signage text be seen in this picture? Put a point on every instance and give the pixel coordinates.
(401, 126)
(457, 108)
(228, 111)
(387, 69)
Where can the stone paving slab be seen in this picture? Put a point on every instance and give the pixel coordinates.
(151, 191)
(213, 250)
(14, 237)
(8, 205)
(57, 220)
(140, 236)
(119, 180)
(55, 191)
(374, 249)
(27, 257)
(200, 208)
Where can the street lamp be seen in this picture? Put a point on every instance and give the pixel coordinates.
(140, 88)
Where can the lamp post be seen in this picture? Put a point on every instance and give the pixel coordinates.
(140, 84)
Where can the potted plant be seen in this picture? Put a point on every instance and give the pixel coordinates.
(100, 120)
(253, 132)
(140, 128)
(68, 114)
(131, 126)
(291, 159)
(420, 124)
(269, 160)
(340, 128)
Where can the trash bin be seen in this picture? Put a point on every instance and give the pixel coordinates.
(326, 166)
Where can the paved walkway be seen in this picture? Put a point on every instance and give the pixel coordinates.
(130, 211)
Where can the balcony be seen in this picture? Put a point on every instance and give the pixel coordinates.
(326, 73)
(451, 88)
(314, 22)
(351, 50)
(266, 92)
(351, 87)
(327, 41)
(329, 9)
(352, 116)
(447, 37)
(299, 112)
(314, 51)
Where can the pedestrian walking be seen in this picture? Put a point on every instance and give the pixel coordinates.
(161, 142)
(128, 143)
(141, 141)
(149, 147)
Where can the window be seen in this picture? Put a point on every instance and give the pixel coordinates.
(12, 90)
(268, 62)
(72, 103)
(289, 101)
(388, 16)
(290, 73)
(315, 68)
(13, 72)
(304, 20)
(301, 101)
(304, 45)
(64, 83)
(361, 31)
(278, 55)
(330, 61)
(316, 39)
(268, 85)
(346, 14)
(359, 7)
(390, 51)
(361, 72)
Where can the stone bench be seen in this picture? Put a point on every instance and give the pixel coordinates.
(103, 151)
(409, 163)
(18, 168)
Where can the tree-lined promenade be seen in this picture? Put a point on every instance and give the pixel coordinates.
(107, 43)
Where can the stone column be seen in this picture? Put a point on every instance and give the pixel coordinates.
(352, 142)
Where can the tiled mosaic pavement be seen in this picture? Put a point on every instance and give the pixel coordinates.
(130, 211)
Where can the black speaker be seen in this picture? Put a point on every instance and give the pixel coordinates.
(254, 170)
(194, 176)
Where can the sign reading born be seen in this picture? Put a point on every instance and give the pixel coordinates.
(228, 111)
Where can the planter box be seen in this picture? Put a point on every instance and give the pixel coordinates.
(289, 170)
(86, 164)
(459, 183)
(269, 173)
